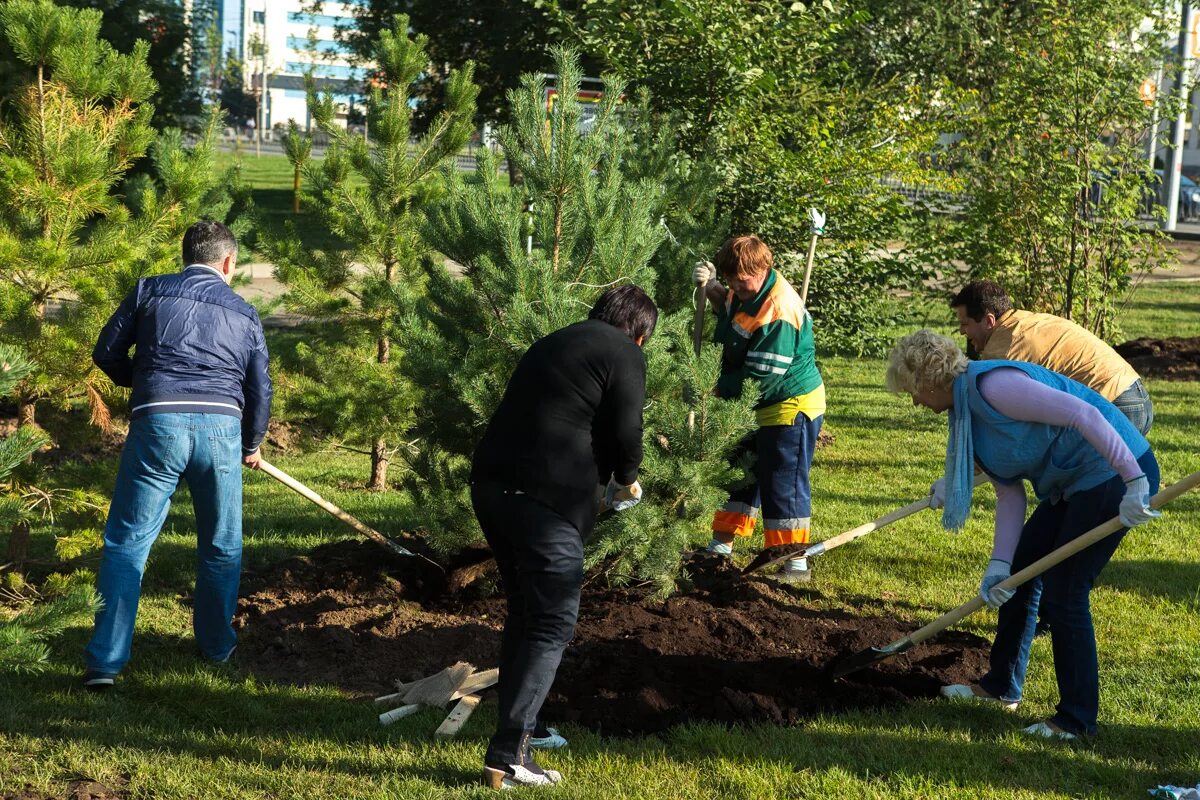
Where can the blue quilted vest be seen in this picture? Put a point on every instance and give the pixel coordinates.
(1057, 461)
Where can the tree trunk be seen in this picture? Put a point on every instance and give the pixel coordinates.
(296, 190)
(515, 176)
(379, 465)
(26, 412)
(18, 546)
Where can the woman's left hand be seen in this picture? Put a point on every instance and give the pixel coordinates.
(990, 593)
(1135, 505)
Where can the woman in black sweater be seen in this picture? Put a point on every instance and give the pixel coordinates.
(571, 418)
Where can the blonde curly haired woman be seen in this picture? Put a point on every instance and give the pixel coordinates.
(1086, 462)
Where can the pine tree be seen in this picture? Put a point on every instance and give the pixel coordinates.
(74, 233)
(297, 147)
(81, 123)
(593, 225)
(368, 197)
(22, 639)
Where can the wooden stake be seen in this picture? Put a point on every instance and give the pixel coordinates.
(458, 717)
(477, 682)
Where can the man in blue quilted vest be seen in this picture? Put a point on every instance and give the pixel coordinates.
(198, 413)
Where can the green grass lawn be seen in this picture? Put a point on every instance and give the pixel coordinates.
(270, 179)
(1162, 308)
(177, 728)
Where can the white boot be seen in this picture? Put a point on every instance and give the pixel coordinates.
(794, 570)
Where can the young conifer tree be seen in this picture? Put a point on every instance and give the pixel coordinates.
(535, 257)
(81, 121)
(23, 637)
(74, 233)
(367, 195)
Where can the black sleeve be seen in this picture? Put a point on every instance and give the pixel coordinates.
(111, 353)
(624, 397)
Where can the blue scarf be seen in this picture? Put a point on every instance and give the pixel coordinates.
(960, 460)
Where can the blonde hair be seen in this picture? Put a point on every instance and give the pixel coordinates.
(924, 360)
(744, 257)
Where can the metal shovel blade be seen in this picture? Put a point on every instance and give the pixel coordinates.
(844, 665)
(773, 555)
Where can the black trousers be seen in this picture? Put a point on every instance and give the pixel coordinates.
(540, 556)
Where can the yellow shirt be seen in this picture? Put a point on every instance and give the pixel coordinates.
(1061, 346)
(784, 412)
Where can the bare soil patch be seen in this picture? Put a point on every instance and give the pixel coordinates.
(1173, 359)
(725, 648)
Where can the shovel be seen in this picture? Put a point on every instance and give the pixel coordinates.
(873, 655)
(773, 555)
(302, 490)
(697, 338)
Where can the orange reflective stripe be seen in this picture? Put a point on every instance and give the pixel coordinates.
(776, 536)
(733, 522)
(783, 303)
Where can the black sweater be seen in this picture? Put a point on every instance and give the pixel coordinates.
(570, 418)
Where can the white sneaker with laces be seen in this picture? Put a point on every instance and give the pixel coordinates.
(1048, 730)
(962, 691)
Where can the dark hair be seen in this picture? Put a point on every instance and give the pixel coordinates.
(207, 242)
(983, 297)
(628, 308)
(744, 257)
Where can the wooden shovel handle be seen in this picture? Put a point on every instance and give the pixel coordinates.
(302, 490)
(875, 524)
(812, 252)
(698, 320)
(1046, 562)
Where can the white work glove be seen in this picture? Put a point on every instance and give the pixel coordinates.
(1135, 505)
(937, 493)
(704, 273)
(619, 497)
(997, 571)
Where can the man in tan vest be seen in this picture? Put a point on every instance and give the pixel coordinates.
(996, 330)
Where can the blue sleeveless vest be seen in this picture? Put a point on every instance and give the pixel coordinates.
(1057, 461)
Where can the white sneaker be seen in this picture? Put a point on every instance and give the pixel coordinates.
(1048, 730)
(794, 570)
(553, 740)
(511, 776)
(962, 691)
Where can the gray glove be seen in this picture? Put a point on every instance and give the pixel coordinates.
(1135, 505)
(991, 594)
(937, 493)
(620, 498)
(704, 273)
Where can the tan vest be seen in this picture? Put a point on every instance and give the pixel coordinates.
(1062, 346)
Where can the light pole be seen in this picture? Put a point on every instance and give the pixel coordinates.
(1174, 161)
(261, 17)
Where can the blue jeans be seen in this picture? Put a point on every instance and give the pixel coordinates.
(206, 451)
(1062, 596)
(1135, 404)
(540, 556)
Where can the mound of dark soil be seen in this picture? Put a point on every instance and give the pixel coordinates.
(725, 648)
(1173, 359)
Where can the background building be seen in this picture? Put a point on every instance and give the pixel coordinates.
(296, 41)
